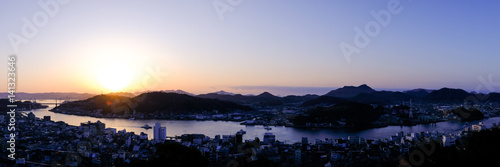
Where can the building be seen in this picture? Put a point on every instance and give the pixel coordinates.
(128, 142)
(217, 139)
(362, 141)
(110, 131)
(305, 141)
(46, 118)
(198, 141)
(227, 139)
(335, 156)
(160, 133)
(448, 141)
(143, 136)
(353, 140)
(31, 116)
(298, 156)
(239, 138)
(93, 128)
(192, 137)
(476, 128)
(400, 134)
(269, 138)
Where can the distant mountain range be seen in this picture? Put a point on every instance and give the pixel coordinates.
(362, 93)
(178, 91)
(224, 93)
(418, 92)
(266, 98)
(365, 94)
(50, 95)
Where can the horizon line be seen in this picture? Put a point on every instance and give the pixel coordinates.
(261, 90)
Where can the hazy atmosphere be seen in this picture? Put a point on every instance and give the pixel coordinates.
(286, 47)
(290, 83)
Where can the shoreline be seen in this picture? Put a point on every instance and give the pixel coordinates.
(293, 126)
(136, 118)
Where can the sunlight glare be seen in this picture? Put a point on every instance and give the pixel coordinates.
(115, 76)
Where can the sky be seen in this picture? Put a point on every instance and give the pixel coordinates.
(243, 46)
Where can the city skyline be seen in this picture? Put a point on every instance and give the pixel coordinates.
(203, 47)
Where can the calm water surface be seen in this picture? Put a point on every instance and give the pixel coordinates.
(287, 134)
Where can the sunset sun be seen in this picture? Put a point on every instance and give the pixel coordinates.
(115, 76)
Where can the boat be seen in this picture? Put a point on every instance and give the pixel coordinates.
(146, 126)
(131, 118)
(268, 128)
(242, 131)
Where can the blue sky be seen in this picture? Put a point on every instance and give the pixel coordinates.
(428, 44)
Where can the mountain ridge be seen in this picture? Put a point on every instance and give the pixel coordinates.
(350, 91)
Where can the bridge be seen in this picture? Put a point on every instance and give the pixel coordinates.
(56, 101)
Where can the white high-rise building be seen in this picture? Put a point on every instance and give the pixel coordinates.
(160, 133)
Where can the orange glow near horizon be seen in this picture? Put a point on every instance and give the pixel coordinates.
(115, 76)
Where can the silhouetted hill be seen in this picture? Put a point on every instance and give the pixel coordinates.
(471, 114)
(447, 95)
(493, 97)
(421, 93)
(353, 113)
(237, 98)
(180, 103)
(106, 103)
(234, 98)
(178, 91)
(221, 92)
(265, 98)
(151, 102)
(350, 91)
(323, 101)
(444, 95)
(20, 104)
(362, 94)
(267, 95)
(298, 99)
(124, 94)
(381, 97)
